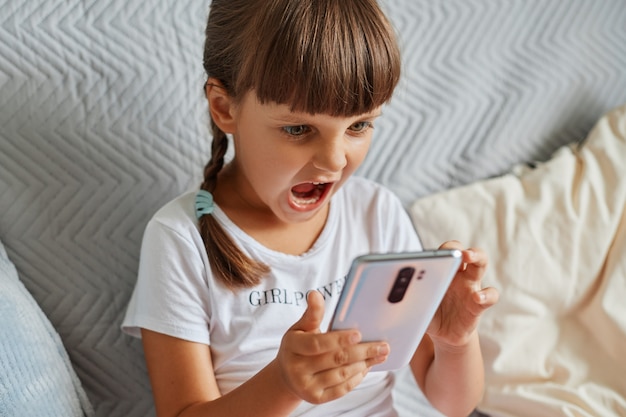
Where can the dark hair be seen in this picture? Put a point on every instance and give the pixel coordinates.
(335, 57)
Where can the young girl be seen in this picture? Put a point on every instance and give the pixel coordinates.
(237, 281)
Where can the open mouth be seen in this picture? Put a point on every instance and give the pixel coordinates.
(309, 193)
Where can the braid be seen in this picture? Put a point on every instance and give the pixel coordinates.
(215, 165)
(231, 265)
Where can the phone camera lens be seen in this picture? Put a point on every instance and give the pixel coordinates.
(401, 284)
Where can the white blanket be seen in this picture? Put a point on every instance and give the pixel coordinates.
(556, 235)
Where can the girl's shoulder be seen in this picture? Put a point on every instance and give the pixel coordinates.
(177, 214)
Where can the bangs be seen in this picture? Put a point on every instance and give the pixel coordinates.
(323, 56)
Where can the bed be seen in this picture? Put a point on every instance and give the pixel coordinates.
(488, 140)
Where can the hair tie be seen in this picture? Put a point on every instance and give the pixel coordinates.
(204, 203)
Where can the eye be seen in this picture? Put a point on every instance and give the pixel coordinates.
(296, 130)
(360, 127)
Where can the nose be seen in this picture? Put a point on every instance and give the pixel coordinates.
(331, 154)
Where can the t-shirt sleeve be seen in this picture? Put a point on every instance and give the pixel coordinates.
(397, 233)
(171, 294)
(407, 236)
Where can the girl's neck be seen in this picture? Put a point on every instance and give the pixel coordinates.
(260, 223)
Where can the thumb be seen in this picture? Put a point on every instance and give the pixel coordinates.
(313, 315)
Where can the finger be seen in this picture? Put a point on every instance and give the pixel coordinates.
(451, 244)
(352, 377)
(487, 297)
(370, 353)
(476, 261)
(473, 258)
(305, 337)
(454, 244)
(313, 344)
(313, 315)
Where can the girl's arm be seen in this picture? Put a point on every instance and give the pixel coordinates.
(183, 383)
(309, 366)
(452, 379)
(448, 363)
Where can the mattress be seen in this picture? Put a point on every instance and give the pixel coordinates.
(103, 120)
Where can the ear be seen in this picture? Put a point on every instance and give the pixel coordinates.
(221, 106)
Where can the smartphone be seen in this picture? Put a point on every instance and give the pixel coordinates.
(393, 297)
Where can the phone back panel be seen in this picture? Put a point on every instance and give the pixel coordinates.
(385, 306)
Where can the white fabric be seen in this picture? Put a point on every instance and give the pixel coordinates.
(177, 294)
(554, 345)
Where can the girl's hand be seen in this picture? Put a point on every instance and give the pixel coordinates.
(319, 367)
(457, 317)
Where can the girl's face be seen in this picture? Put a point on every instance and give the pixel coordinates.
(290, 163)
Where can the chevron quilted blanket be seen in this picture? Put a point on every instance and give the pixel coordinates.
(102, 121)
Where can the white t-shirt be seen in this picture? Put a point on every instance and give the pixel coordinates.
(177, 294)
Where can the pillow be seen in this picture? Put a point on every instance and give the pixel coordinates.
(556, 238)
(36, 378)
